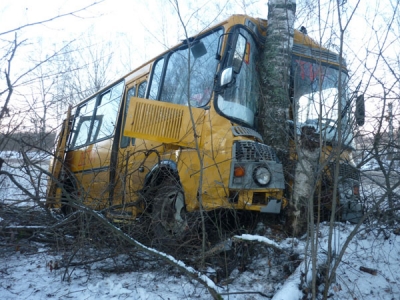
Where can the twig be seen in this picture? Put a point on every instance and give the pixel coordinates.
(71, 293)
(244, 293)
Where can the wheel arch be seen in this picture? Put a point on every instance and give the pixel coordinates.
(165, 169)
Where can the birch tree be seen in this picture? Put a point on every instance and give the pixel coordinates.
(276, 106)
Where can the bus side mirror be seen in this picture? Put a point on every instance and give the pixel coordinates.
(226, 76)
(360, 110)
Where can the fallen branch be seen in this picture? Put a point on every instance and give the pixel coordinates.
(260, 239)
(188, 271)
(368, 270)
(245, 293)
(32, 228)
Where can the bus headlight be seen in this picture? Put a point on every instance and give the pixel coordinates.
(261, 175)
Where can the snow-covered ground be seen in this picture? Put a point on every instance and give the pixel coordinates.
(28, 269)
(29, 275)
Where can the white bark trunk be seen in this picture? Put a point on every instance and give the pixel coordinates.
(303, 187)
(275, 73)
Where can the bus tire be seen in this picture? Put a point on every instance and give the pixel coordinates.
(168, 212)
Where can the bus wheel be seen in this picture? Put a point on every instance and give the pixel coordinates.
(168, 212)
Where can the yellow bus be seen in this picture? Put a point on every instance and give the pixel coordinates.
(179, 133)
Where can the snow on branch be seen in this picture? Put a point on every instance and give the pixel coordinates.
(259, 238)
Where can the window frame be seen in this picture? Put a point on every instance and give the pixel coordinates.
(228, 61)
(81, 118)
(126, 141)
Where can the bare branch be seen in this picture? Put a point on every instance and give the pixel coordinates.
(72, 13)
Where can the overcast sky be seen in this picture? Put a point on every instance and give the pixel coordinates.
(149, 25)
(152, 25)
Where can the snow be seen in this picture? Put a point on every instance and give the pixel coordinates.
(27, 275)
(261, 239)
(290, 289)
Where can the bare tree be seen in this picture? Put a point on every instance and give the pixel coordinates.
(20, 168)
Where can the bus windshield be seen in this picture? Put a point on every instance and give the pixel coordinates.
(189, 73)
(316, 98)
(238, 101)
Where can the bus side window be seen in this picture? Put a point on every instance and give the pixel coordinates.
(106, 114)
(142, 89)
(94, 122)
(82, 131)
(125, 139)
(83, 119)
(156, 79)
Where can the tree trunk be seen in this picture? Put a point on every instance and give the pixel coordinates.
(275, 101)
(275, 68)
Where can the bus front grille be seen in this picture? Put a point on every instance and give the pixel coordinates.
(253, 151)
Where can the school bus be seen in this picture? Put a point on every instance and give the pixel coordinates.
(179, 133)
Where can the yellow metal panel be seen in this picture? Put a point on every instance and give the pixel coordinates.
(89, 157)
(163, 122)
(58, 161)
(96, 190)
